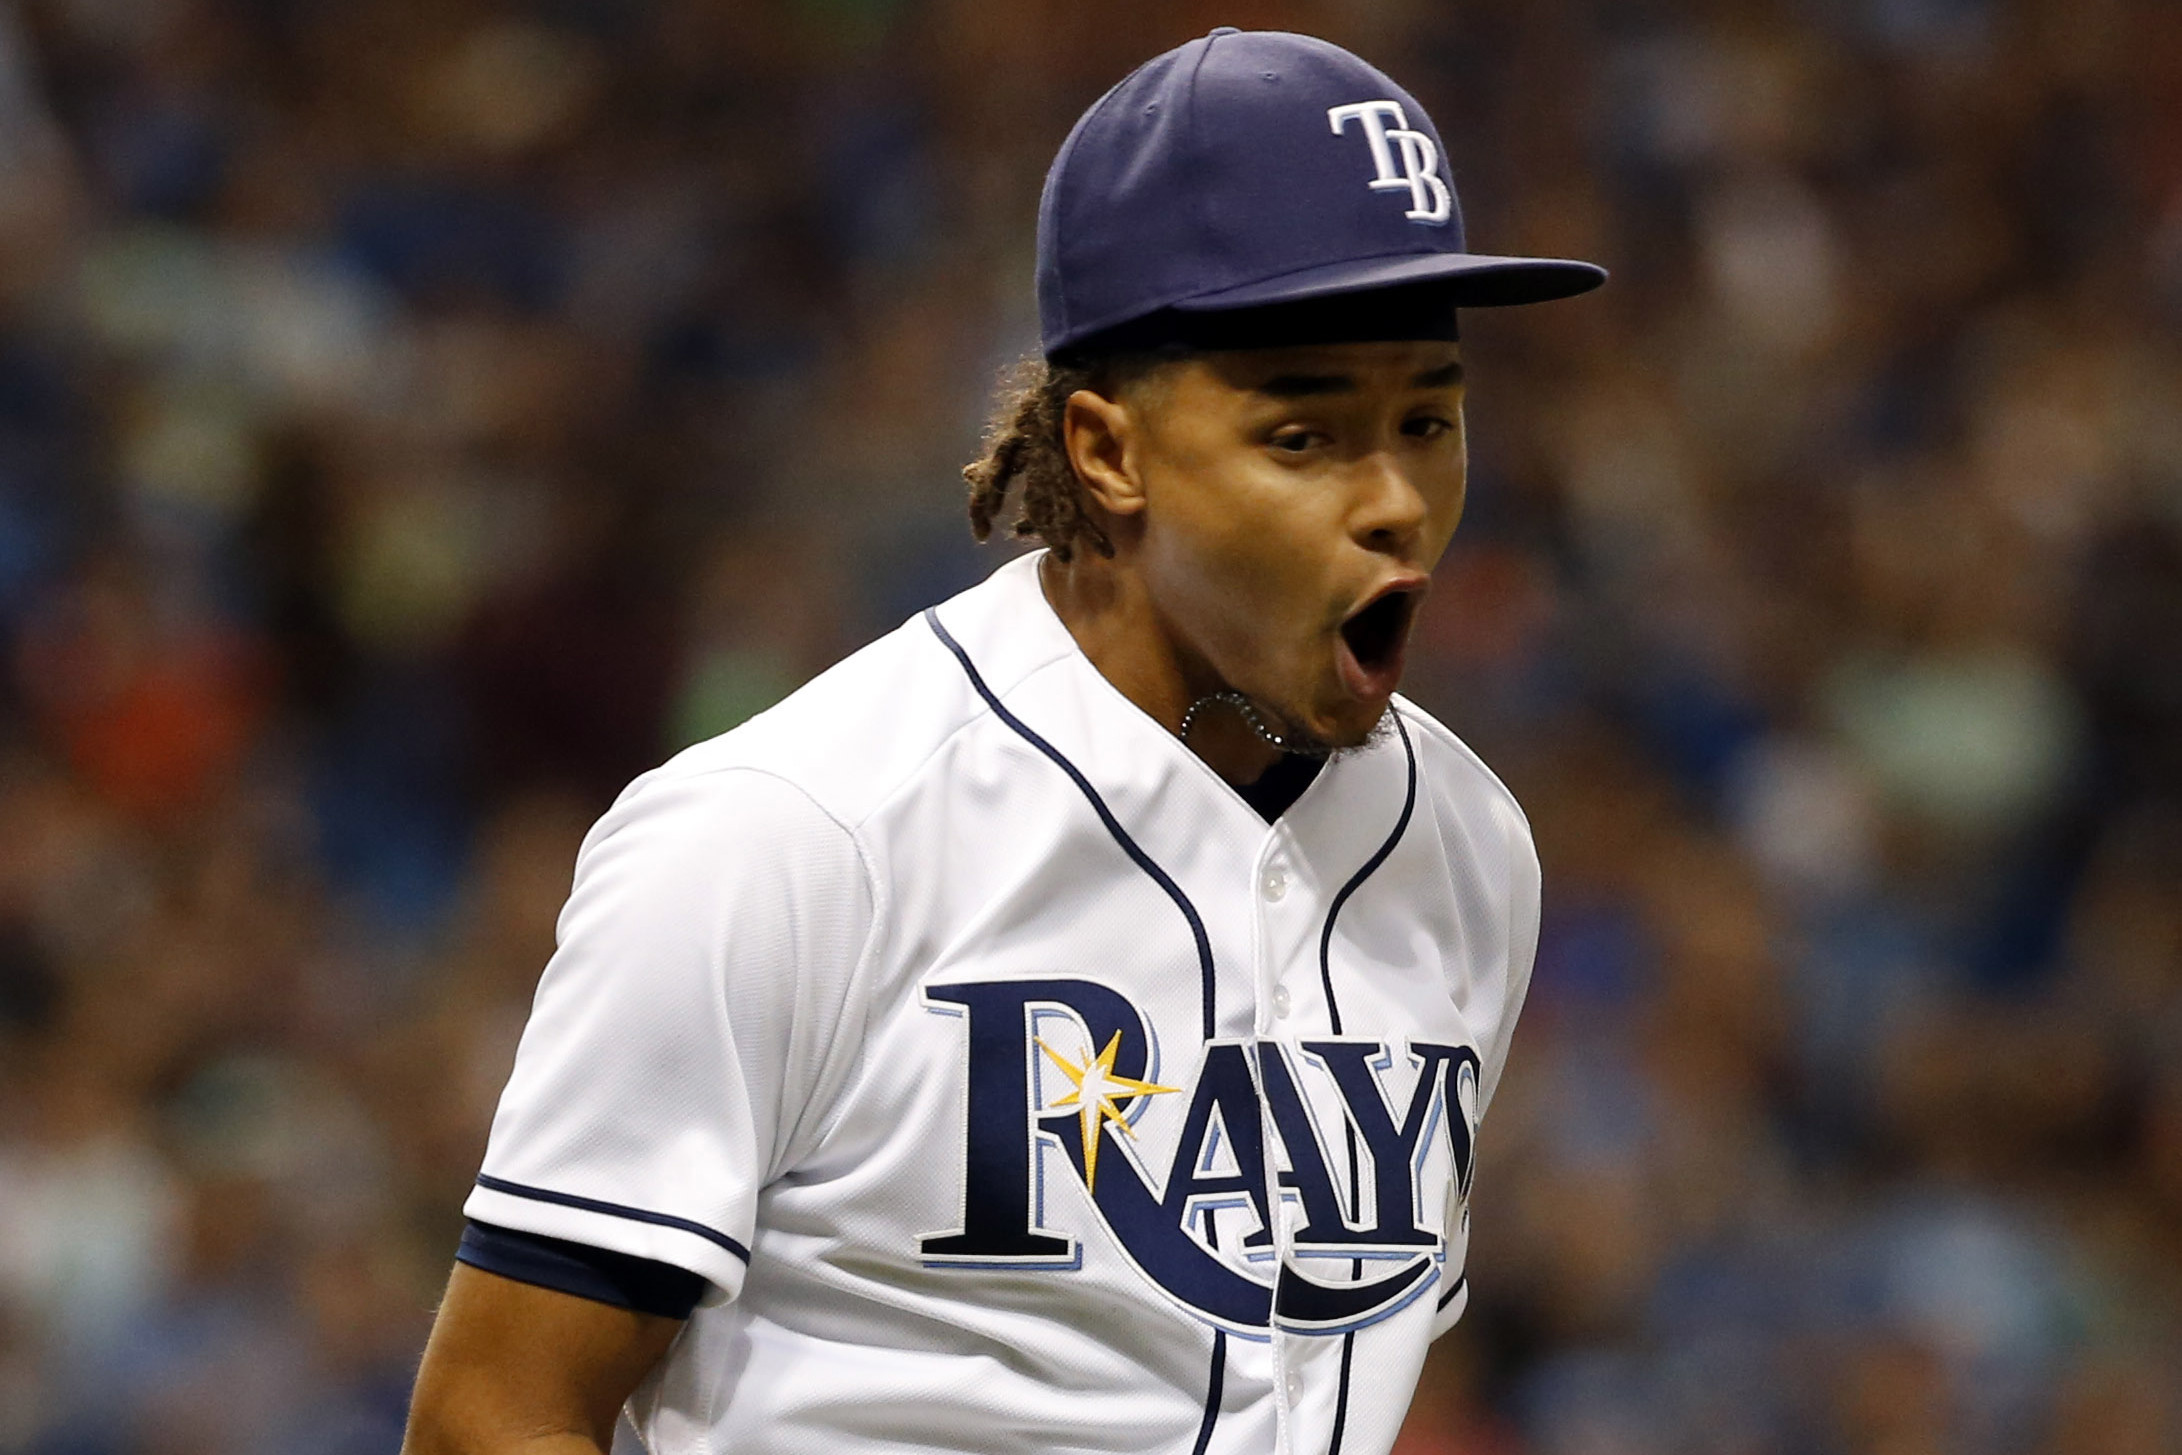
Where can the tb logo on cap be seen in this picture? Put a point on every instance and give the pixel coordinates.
(1429, 198)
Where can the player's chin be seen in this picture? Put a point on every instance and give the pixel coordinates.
(1347, 724)
(1344, 680)
(1343, 717)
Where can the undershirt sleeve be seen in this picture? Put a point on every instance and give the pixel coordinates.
(576, 1268)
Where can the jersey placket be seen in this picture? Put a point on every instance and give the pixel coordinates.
(1282, 901)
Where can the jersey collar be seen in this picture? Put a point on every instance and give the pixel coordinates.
(1027, 656)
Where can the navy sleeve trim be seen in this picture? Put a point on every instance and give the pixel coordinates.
(614, 1210)
(1449, 1296)
(597, 1274)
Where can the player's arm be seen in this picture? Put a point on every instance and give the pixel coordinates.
(515, 1369)
(686, 1040)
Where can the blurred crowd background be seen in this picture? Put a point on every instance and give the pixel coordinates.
(418, 416)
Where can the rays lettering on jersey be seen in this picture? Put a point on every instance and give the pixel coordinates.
(1226, 1170)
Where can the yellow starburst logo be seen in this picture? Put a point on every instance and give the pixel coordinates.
(1096, 1097)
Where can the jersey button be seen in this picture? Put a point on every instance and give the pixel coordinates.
(1295, 1385)
(1281, 1001)
(1275, 884)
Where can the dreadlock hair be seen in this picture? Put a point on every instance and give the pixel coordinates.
(1027, 452)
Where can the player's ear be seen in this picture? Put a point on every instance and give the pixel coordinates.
(1102, 437)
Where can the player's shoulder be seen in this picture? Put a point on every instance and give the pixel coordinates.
(852, 737)
(1457, 780)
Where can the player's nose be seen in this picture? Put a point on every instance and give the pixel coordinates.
(1391, 508)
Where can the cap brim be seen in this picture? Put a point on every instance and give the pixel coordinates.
(1474, 280)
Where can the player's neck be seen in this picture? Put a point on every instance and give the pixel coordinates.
(1114, 620)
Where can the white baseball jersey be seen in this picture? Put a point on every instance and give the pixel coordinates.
(1013, 1083)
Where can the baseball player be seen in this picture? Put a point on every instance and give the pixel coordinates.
(1064, 1025)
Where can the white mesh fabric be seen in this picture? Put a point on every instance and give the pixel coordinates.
(688, 1024)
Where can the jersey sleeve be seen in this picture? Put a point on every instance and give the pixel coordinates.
(1522, 940)
(691, 1028)
(1516, 892)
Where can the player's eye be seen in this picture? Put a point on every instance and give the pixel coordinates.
(1426, 427)
(1296, 440)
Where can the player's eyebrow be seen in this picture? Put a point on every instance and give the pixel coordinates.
(1304, 386)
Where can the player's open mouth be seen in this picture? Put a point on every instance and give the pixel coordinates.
(1373, 639)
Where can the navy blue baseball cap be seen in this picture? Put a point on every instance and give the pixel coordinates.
(1259, 170)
